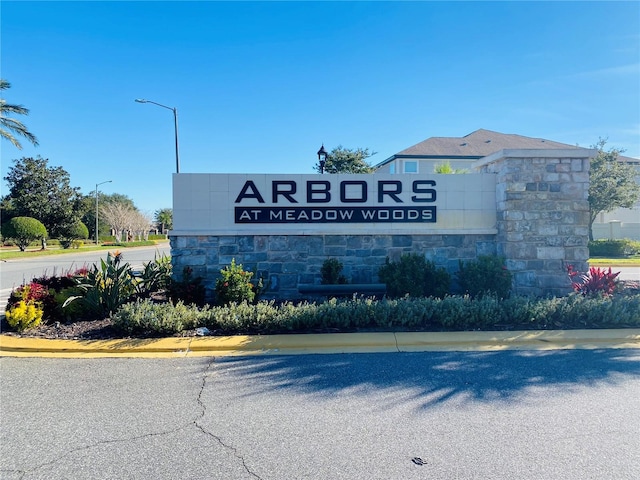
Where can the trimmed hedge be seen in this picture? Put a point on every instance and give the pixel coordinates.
(452, 313)
(614, 248)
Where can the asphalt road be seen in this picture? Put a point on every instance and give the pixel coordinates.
(569, 414)
(16, 272)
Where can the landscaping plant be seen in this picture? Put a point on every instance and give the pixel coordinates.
(486, 275)
(234, 285)
(331, 272)
(452, 313)
(24, 315)
(597, 281)
(106, 287)
(415, 276)
(155, 276)
(188, 290)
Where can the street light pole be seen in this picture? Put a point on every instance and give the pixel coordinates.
(97, 185)
(175, 125)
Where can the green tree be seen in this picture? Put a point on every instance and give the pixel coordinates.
(24, 230)
(89, 210)
(44, 193)
(71, 232)
(612, 184)
(446, 168)
(347, 160)
(9, 127)
(164, 219)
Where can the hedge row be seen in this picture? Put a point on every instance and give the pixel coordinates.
(454, 313)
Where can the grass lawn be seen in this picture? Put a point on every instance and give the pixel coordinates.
(615, 262)
(7, 253)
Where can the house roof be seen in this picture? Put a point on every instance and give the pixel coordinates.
(476, 145)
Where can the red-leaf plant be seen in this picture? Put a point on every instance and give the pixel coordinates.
(597, 280)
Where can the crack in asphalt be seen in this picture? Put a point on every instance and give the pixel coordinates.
(22, 473)
(203, 407)
(97, 444)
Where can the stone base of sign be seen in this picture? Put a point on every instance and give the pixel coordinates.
(542, 224)
(288, 261)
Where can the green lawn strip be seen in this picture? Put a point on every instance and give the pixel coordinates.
(13, 254)
(614, 262)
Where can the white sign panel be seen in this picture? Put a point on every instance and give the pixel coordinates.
(332, 204)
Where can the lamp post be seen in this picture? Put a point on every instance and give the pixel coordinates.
(97, 185)
(322, 158)
(175, 125)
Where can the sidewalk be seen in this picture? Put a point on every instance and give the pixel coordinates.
(14, 346)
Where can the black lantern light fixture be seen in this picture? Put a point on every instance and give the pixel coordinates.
(322, 158)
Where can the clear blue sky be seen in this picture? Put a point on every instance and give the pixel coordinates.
(260, 86)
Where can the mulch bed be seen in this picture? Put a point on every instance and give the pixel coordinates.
(81, 330)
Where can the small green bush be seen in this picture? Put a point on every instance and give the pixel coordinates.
(415, 276)
(486, 275)
(144, 316)
(331, 272)
(235, 285)
(73, 232)
(614, 248)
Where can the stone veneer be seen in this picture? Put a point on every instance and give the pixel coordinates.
(290, 260)
(542, 220)
(542, 215)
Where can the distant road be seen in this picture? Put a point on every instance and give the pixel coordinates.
(15, 272)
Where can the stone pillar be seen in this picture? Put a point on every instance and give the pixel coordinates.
(542, 215)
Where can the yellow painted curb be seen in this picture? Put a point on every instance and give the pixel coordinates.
(321, 343)
(519, 340)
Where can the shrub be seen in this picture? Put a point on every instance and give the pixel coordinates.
(450, 313)
(415, 276)
(24, 315)
(67, 311)
(155, 276)
(614, 248)
(486, 275)
(235, 285)
(105, 288)
(144, 316)
(73, 231)
(23, 231)
(331, 272)
(189, 290)
(597, 281)
(37, 293)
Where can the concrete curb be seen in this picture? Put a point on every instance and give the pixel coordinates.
(15, 346)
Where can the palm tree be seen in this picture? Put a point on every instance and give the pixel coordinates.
(10, 126)
(164, 218)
